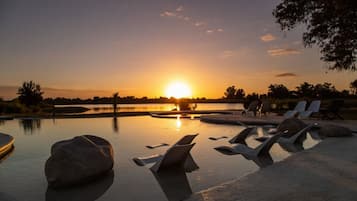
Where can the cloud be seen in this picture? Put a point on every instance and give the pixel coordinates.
(168, 14)
(209, 31)
(179, 14)
(267, 37)
(283, 51)
(286, 75)
(227, 54)
(199, 24)
(179, 9)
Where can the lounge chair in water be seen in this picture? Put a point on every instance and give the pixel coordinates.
(241, 136)
(248, 152)
(300, 107)
(314, 107)
(177, 156)
(297, 137)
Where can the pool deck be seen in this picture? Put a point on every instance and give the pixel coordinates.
(325, 172)
(271, 119)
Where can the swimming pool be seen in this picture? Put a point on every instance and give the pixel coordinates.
(22, 173)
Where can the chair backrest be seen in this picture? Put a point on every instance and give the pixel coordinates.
(174, 157)
(299, 135)
(314, 106)
(187, 139)
(240, 137)
(264, 148)
(300, 106)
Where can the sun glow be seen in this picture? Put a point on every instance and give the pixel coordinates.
(178, 90)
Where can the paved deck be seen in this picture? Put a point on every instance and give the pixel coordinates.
(272, 119)
(327, 172)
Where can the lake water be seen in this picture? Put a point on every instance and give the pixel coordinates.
(99, 108)
(22, 172)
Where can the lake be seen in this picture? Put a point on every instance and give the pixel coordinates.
(22, 172)
(100, 108)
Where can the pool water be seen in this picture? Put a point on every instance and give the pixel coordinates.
(22, 172)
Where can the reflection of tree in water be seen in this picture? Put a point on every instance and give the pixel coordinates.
(115, 125)
(30, 125)
(2, 122)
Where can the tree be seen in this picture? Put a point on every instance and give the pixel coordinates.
(353, 86)
(325, 90)
(278, 91)
(305, 90)
(331, 24)
(230, 92)
(30, 93)
(240, 93)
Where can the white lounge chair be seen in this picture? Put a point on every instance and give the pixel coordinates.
(176, 156)
(314, 107)
(261, 150)
(300, 107)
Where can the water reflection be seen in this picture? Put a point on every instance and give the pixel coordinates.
(30, 125)
(174, 183)
(89, 192)
(178, 123)
(115, 125)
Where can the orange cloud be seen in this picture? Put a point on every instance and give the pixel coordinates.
(282, 52)
(286, 75)
(267, 37)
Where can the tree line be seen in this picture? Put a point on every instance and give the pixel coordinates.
(304, 90)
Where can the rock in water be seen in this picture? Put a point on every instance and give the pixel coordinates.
(78, 160)
(293, 125)
(334, 131)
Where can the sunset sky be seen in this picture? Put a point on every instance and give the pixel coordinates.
(138, 47)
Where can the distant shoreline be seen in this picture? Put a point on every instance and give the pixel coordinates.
(110, 114)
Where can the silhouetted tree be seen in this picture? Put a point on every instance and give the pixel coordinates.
(331, 24)
(353, 86)
(30, 93)
(230, 92)
(325, 90)
(240, 94)
(305, 90)
(278, 91)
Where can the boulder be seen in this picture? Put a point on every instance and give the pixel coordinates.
(293, 125)
(329, 130)
(78, 160)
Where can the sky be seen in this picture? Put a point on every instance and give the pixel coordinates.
(85, 48)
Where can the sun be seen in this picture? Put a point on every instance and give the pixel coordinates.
(178, 90)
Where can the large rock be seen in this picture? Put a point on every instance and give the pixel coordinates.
(329, 130)
(293, 125)
(78, 160)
